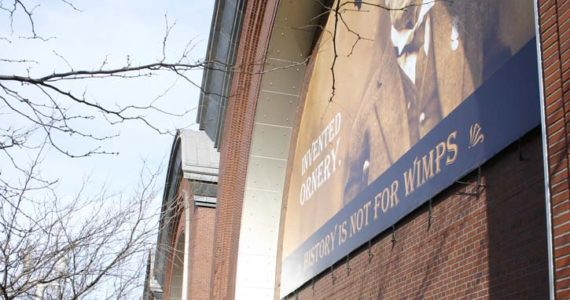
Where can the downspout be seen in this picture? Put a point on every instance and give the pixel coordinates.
(185, 275)
(544, 155)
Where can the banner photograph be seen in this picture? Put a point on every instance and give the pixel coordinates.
(403, 98)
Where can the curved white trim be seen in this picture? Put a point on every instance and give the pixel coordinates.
(544, 155)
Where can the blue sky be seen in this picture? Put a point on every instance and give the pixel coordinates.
(116, 30)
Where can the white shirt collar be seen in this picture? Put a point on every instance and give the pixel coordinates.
(400, 38)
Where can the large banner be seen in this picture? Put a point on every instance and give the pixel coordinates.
(420, 97)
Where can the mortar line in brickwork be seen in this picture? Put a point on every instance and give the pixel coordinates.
(560, 225)
(561, 83)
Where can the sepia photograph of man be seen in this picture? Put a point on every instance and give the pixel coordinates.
(429, 57)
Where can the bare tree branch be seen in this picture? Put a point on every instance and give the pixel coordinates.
(48, 249)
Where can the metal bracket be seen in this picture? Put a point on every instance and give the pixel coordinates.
(478, 186)
(370, 255)
(521, 158)
(348, 265)
(393, 235)
(313, 285)
(332, 275)
(430, 213)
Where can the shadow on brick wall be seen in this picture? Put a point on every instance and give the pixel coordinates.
(517, 222)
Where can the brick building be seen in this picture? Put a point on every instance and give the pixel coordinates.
(179, 267)
(488, 217)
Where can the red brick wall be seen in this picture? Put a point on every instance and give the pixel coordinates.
(555, 33)
(236, 140)
(202, 224)
(201, 247)
(477, 247)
